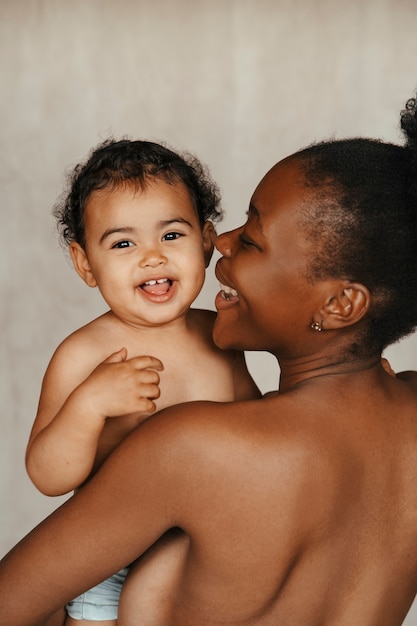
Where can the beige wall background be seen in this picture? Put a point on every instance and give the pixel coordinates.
(241, 83)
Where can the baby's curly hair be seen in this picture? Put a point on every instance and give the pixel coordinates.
(115, 163)
(363, 225)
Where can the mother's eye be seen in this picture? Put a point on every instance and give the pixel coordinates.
(247, 243)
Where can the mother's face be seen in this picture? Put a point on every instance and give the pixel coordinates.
(265, 262)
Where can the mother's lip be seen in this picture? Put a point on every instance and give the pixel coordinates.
(220, 276)
(223, 301)
(226, 296)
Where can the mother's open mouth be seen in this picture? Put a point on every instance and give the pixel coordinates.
(228, 293)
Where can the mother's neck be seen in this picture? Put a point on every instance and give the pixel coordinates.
(319, 368)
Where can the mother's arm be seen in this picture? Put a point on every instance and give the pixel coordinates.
(120, 513)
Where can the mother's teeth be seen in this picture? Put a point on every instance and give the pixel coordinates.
(228, 291)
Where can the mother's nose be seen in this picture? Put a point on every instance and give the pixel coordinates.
(224, 242)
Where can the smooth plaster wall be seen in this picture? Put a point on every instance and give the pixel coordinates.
(241, 83)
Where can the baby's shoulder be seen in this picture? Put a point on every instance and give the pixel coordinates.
(90, 340)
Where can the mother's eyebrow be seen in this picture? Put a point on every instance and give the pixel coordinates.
(255, 214)
(253, 210)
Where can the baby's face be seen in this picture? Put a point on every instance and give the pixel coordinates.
(145, 250)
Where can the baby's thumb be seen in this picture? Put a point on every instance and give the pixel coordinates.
(117, 357)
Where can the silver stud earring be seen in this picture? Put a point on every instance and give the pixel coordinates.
(317, 326)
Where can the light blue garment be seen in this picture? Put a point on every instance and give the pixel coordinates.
(100, 602)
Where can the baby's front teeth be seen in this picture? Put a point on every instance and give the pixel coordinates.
(154, 282)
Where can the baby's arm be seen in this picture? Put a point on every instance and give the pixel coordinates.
(74, 404)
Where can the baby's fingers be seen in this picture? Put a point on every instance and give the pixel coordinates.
(148, 389)
(148, 380)
(148, 362)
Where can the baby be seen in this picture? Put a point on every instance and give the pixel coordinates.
(138, 219)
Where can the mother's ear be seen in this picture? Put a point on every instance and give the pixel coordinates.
(347, 306)
(209, 237)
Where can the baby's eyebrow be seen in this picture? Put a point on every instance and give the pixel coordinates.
(130, 230)
(181, 220)
(111, 231)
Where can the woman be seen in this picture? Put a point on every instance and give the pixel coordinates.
(299, 508)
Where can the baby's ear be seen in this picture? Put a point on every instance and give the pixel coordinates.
(81, 264)
(209, 237)
(346, 306)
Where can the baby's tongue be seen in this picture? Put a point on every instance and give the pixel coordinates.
(155, 288)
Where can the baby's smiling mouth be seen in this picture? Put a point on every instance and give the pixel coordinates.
(157, 287)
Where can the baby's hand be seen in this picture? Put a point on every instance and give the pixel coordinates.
(119, 386)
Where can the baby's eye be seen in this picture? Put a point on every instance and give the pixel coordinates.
(122, 244)
(171, 236)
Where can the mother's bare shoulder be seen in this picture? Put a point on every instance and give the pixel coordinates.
(409, 376)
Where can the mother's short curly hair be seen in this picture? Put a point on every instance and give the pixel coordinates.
(363, 224)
